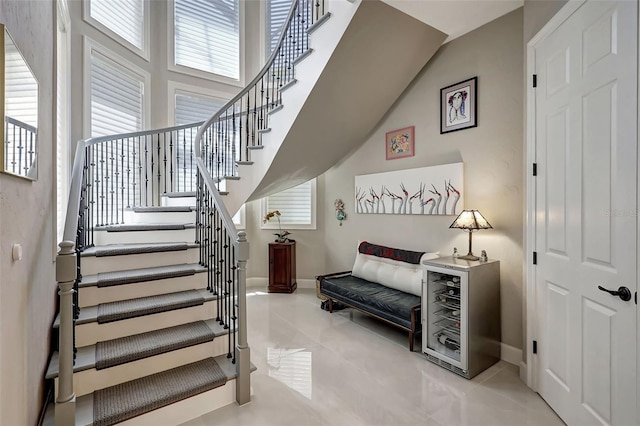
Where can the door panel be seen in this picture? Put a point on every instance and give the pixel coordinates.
(586, 221)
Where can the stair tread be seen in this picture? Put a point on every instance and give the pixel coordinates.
(107, 279)
(179, 194)
(84, 404)
(146, 227)
(162, 304)
(162, 209)
(86, 355)
(130, 399)
(135, 248)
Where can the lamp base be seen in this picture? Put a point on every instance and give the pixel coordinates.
(469, 257)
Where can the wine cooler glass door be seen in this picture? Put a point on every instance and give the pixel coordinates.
(446, 322)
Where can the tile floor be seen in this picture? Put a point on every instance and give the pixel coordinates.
(316, 368)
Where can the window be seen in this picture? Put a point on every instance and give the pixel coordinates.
(123, 20)
(276, 14)
(116, 96)
(297, 206)
(191, 108)
(207, 36)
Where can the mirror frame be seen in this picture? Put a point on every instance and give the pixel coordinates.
(33, 172)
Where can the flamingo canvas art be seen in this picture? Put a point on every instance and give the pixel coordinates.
(435, 190)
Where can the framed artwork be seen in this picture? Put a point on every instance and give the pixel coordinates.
(400, 143)
(427, 191)
(458, 106)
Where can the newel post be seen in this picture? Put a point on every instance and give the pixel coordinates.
(243, 358)
(65, 412)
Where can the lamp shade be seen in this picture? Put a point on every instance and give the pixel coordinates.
(470, 219)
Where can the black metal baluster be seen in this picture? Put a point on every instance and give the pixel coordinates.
(171, 182)
(101, 160)
(146, 170)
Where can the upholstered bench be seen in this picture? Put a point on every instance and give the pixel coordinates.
(385, 283)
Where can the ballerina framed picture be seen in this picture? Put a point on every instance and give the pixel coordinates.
(459, 106)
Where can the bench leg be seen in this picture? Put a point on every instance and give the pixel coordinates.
(330, 305)
(411, 334)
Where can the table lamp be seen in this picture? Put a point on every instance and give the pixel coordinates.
(470, 220)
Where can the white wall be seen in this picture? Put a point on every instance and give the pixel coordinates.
(27, 287)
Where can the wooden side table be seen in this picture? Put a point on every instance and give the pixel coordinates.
(282, 267)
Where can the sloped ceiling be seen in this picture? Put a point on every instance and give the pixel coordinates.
(455, 17)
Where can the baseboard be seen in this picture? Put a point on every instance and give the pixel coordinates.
(263, 283)
(510, 354)
(523, 373)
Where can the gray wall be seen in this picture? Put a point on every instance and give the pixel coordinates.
(492, 154)
(27, 287)
(537, 13)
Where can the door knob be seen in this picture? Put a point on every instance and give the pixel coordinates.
(623, 292)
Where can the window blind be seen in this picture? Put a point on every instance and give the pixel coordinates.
(276, 14)
(295, 205)
(116, 98)
(191, 109)
(123, 17)
(21, 88)
(207, 36)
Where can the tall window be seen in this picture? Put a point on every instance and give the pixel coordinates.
(190, 108)
(207, 36)
(125, 18)
(116, 97)
(276, 14)
(297, 207)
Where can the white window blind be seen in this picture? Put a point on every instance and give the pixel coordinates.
(296, 206)
(276, 14)
(123, 17)
(21, 88)
(116, 97)
(207, 36)
(191, 109)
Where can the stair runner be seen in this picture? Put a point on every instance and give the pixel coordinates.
(127, 400)
(138, 346)
(108, 279)
(125, 249)
(148, 227)
(125, 309)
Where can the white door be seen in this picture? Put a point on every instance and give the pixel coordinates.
(586, 214)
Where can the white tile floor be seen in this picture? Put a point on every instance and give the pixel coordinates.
(316, 368)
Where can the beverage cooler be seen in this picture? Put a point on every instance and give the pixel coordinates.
(461, 314)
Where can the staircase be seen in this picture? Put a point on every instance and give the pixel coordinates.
(152, 272)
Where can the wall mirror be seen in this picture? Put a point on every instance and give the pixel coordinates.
(19, 153)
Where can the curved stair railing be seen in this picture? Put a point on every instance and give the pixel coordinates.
(223, 142)
(227, 138)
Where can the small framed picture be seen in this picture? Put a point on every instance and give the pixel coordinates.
(458, 106)
(400, 143)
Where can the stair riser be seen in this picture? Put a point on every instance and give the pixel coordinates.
(90, 333)
(178, 201)
(94, 265)
(91, 296)
(159, 217)
(188, 409)
(85, 382)
(170, 236)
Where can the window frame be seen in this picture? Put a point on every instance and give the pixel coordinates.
(176, 88)
(183, 69)
(91, 46)
(143, 52)
(273, 224)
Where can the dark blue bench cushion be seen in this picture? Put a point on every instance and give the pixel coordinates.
(388, 303)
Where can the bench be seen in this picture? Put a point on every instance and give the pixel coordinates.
(385, 283)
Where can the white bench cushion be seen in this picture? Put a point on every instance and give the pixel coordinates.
(391, 273)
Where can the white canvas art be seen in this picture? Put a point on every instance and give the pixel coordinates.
(435, 190)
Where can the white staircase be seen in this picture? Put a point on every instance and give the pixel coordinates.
(135, 267)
